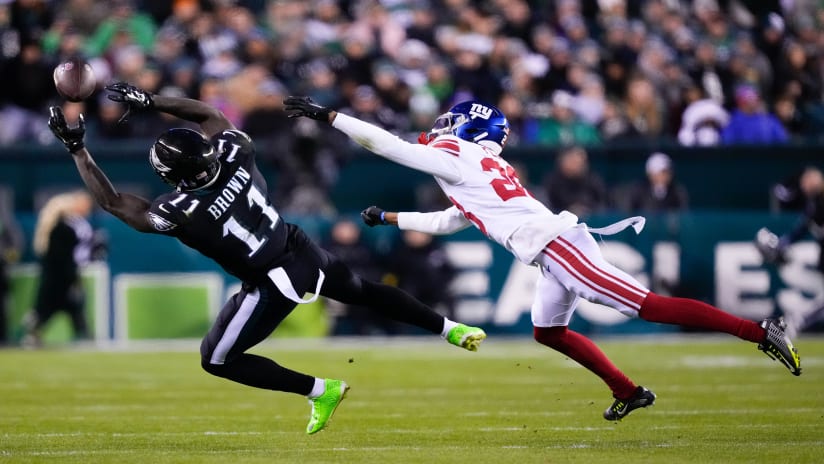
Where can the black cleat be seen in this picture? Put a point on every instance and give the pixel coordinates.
(621, 408)
(778, 346)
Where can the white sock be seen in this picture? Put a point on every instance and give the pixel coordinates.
(317, 389)
(447, 326)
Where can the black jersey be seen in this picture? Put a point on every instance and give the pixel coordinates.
(232, 220)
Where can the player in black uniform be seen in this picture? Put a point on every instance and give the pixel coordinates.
(220, 208)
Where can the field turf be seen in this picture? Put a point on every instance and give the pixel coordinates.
(415, 401)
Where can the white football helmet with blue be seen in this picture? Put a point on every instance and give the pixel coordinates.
(474, 121)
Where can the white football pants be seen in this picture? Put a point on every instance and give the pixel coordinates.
(572, 267)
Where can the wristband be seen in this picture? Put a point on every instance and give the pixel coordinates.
(383, 217)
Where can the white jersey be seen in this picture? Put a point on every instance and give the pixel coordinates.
(492, 198)
(483, 187)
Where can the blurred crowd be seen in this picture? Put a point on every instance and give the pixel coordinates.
(564, 71)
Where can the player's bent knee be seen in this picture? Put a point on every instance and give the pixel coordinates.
(214, 369)
(550, 336)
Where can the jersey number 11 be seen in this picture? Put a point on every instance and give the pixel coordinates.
(253, 239)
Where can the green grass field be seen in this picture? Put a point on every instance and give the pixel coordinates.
(416, 401)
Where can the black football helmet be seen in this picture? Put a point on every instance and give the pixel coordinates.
(184, 159)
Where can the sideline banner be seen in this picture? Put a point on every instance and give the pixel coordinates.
(707, 256)
(704, 255)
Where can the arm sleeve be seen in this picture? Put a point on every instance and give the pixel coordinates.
(390, 146)
(443, 222)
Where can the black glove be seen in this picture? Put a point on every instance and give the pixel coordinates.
(304, 106)
(135, 98)
(373, 216)
(72, 137)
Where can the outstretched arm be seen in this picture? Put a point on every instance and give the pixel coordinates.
(444, 222)
(377, 140)
(130, 209)
(212, 121)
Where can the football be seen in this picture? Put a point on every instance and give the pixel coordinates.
(74, 79)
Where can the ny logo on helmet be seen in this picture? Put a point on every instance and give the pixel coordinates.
(480, 111)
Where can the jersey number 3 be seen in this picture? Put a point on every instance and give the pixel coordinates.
(509, 186)
(254, 239)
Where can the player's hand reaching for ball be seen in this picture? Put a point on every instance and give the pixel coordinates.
(72, 137)
(304, 106)
(135, 98)
(373, 216)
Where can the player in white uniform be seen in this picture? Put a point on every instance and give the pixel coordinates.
(463, 153)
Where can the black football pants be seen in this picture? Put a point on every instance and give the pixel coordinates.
(252, 314)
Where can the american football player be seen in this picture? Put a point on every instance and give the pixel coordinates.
(463, 153)
(219, 206)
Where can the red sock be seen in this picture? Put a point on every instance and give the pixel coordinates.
(587, 354)
(695, 314)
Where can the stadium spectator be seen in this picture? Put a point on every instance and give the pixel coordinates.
(420, 266)
(108, 124)
(422, 107)
(276, 261)
(799, 75)
(614, 125)
(345, 241)
(659, 192)
(750, 123)
(563, 127)
(11, 246)
(560, 58)
(322, 81)
(790, 116)
(702, 120)
(367, 104)
(64, 242)
(525, 126)
(706, 72)
(590, 102)
(26, 87)
(573, 187)
(125, 24)
(393, 92)
(748, 64)
(358, 55)
(644, 110)
(772, 38)
(31, 18)
(439, 81)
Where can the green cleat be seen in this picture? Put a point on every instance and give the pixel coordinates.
(466, 337)
(778, 346)
(324, 406)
